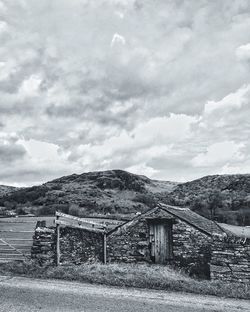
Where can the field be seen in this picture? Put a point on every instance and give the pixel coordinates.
(16, 236)
(239, 231)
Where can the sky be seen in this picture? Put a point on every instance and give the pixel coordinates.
(158, 88)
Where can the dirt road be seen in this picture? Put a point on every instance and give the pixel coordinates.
(25, 294)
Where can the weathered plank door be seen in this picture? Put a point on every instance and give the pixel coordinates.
(161, 241)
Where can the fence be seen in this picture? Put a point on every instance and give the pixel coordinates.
(16, 238)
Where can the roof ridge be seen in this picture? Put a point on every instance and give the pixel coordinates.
(149, 211)
(169, 209)
(175, 207)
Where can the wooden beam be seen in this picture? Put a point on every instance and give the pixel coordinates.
(19, 239)
(77, 226)
(58, 245)
(104, 248)
(80, 220)
(14, 231)
(17, 221)
(57, 242)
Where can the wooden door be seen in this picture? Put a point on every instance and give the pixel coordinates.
(161, 241)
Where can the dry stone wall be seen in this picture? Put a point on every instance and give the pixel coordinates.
(76, 246)
(191, 247)
(44, 244)
(230, 259)
(129, 244)
(80, 246)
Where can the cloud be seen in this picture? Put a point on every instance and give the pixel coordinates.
(27, 162)
(10, 149)
(243, 52)
(3, 27)
(117, 39)
(126, 84)
(219, 154)
(231, 101)
(29, 87)
(226, 118)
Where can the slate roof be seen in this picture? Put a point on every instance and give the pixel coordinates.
(169, 212)
(201, 223)
(155, 212)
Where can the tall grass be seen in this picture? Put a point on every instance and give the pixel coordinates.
(130, 275)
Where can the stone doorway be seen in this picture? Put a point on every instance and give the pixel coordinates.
(160, 237)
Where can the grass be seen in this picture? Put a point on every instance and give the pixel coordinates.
(129, 275)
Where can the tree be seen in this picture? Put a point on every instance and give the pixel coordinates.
(214, 202)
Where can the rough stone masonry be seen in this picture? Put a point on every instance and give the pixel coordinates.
(203, 254)
(230, 259)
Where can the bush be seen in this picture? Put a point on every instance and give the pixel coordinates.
(74, 210)
(145, 199)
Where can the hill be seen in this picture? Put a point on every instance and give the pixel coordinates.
(225, 198)
(104, 192)
(6, 189)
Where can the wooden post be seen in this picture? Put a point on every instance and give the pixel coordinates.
(104, 248)
(57, 243)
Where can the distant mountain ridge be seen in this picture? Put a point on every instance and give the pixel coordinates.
(225, 198)
(104, 192)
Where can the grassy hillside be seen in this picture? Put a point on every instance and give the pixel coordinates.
(105, 192)
(5, 190)
(225, 198)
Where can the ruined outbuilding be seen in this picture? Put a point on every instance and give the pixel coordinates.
(162, 235)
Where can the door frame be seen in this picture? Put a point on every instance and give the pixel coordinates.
(168, 226)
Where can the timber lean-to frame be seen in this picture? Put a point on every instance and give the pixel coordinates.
(79, 223)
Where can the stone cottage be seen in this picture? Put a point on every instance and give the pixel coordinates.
(162, 235)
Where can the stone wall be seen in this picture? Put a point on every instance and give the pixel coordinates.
(76, 246)
(129, 243)
(230, 259)
(80, 246)
(191, 247)
(44, 244)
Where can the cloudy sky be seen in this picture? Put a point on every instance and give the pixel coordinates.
(160, 88)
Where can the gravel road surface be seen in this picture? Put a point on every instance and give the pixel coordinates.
(26, 295)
